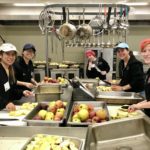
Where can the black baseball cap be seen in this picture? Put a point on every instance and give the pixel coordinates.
(29, 46)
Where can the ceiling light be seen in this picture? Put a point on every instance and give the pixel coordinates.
(135, 4)
(29, 4)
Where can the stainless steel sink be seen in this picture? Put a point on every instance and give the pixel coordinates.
(131, 134)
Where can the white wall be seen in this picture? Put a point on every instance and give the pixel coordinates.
(19, 35)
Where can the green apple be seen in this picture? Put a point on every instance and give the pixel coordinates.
(53, 103)
(75, 116)
(83, 114)
(42, 113)
(62, 110)
(49, 116)
(76, 120)
(65, 104)
(83, 106)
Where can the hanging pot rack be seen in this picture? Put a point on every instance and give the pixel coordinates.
(53, 13)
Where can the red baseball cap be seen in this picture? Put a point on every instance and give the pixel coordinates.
(89, 53)
(144, 43)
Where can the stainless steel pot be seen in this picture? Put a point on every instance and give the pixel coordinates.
(85, 30)
(67, 30)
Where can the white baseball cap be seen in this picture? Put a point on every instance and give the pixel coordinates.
(6, 47)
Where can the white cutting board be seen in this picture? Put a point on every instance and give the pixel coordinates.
(5, 114)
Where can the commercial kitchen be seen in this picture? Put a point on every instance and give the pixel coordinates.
(69, 110)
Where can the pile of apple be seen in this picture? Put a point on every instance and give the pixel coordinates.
(87, 113)
(54, 111)
(51, 142)
(52, 80)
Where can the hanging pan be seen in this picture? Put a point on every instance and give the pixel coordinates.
(67, 31)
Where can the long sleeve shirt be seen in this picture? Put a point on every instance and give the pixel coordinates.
(8, 90)
(23, 71)
(132, 74)
(100, 64)
(147, 91)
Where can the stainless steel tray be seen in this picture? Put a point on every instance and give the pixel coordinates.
(39, 97)
(31, 122)
(113, 97)
(48, 88)
(129, 134)
(90, 81)
(78, 142)
(96, 106)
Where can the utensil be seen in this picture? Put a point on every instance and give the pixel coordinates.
(106, 82)
(67, 30)
(85, 30)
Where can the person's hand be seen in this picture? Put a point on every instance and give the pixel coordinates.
(27, 93)
(29, 85)
(103, 72)
(90, 65)
(10, 107)
(116, 88)
(133, 107)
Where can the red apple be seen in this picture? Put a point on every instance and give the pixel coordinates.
(44, 106)
(90, 107)
(57, 118)
(89, 120)
(59, 114)
(75, 108)
(37, 117)
(95, 119)
(92, 114)
(59, 104)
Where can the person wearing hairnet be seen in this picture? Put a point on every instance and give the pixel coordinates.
(145, 52)
(130, 71)
(8, 89)
(23, 67)
(96, 67)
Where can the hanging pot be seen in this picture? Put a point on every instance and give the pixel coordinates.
(67, 30)
(85, 30)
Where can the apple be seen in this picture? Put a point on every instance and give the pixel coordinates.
(37, 117)
(59, 104)
(83, 114)
(102, 114)
(57, 118)
(65, 104)
(59, 114)
(92, 114)
(42, 113)
(52, 103)
(52, 109)
(90, 107)
(95, 119)
(61, 110)
(89, 120)
(44, 106)
(75, 116)
(76, 120)
(83, 106)
(76, 108)
(49, 116)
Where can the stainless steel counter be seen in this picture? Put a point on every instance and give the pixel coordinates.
(13, 138)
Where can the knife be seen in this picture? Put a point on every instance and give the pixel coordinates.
(106, 82)
(8, 119)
